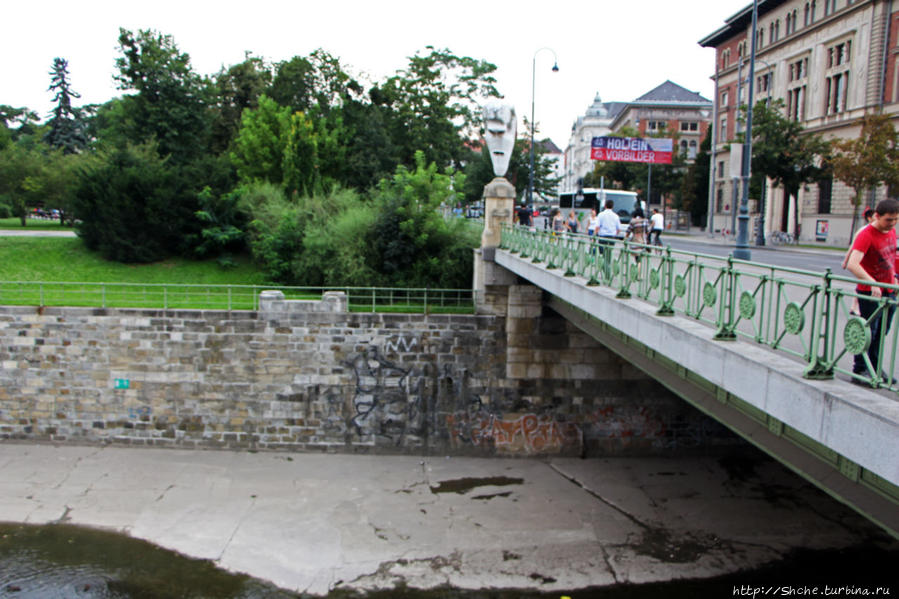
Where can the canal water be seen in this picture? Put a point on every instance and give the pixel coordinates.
(61, 561)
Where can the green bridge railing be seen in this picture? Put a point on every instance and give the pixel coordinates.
(228, 297)
(801, 313)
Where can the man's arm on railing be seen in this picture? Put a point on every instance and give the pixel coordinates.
(854, 265)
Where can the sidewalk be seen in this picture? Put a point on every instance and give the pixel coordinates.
(313, 522)
(35, 233)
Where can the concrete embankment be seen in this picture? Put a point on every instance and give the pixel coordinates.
(313, 523)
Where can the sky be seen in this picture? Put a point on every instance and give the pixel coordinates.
(618, 49)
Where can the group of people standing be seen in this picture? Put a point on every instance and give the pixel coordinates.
(607, 224)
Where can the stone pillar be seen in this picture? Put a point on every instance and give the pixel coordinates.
(491, 281)
(499, 200)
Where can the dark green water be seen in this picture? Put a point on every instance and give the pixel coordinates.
(62, 562)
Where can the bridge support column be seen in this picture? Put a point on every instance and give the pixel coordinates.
(490, 280)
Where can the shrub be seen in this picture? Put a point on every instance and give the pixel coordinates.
(134, 207)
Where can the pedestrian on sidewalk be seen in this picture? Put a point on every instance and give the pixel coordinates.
(869, 216)
(872, 259)
(609, 225)
(657, 221)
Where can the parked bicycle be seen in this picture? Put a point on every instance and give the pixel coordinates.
(782, 238)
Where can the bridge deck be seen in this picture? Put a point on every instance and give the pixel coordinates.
(852, 430)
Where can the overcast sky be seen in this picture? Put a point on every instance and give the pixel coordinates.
(619, 49)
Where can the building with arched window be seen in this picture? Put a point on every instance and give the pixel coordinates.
(832, 67)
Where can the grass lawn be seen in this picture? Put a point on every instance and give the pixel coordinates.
(66, 259)
(26, 261)
(33, 224)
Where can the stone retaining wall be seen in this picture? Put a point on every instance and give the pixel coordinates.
(303, 376)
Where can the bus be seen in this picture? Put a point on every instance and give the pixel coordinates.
(589, 198)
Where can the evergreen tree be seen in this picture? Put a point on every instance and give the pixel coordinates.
(66, 127)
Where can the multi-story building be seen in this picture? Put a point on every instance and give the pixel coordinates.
(831, 62)
(668, 110)
(668, 107)
(556, 160)
(596, 122)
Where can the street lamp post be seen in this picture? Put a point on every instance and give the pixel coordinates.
(741, 250)
(530, 198)
(760, 233)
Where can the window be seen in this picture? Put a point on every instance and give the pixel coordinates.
(797, 72)
(724, 99)
(789, 23)
(796, 103)
(691, 153)
(719, 200)
(830, 7)
(836, 77)
(722, 132)
(689, 126)
(825, 194)
(763, 83)
(683, 147)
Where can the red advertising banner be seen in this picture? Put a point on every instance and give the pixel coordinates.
(654, 150)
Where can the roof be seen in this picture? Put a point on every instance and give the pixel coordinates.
(548, 146)
(671, 93)
(737, 23)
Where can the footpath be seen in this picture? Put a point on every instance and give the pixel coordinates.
(313, 523)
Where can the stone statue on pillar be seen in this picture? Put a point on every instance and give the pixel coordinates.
(490, 280)
(499, 194)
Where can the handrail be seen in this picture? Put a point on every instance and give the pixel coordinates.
(227, 297)
(800, 313)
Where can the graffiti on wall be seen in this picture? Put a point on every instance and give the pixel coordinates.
(401, 343)
(532, 433)
(386, 402)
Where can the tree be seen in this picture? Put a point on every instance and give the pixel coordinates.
(783, 152)
(868, 160)
(258, 153)
(696, 183)
(27, 121)
(319, 80)
(237, 88)
(21, 170)
(370, 153)
(410, 244)
(66, 128)
(170, 104)
(133, 207)
(436, 105)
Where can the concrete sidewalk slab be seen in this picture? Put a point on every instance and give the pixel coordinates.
(313, 523)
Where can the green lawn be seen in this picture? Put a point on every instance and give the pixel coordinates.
(45, 271)
(66, 259)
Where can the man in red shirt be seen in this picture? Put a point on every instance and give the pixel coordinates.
(873, 260)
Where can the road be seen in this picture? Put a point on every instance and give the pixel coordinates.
(813, 260)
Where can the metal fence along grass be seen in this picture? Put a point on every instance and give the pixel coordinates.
(228, 297)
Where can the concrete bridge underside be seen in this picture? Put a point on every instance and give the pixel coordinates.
(842, 438)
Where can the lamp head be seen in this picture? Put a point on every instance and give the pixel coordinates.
(555, 67)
